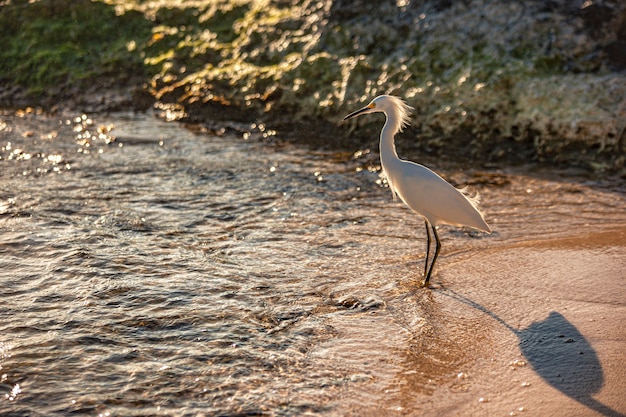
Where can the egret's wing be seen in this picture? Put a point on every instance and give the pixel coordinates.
(434, 198)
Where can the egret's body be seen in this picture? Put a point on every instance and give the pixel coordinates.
(418, 187)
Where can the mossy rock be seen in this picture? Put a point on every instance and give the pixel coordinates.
(52, 42)
(490, 79)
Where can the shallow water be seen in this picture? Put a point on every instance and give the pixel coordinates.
(149, 269)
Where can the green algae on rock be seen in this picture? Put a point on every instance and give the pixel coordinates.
(53, 47)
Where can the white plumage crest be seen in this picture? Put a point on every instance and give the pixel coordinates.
(401, 110)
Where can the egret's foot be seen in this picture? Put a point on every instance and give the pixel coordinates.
(432, 285)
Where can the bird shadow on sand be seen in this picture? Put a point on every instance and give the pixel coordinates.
(559, 354)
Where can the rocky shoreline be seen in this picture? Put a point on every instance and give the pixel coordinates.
(491, 81)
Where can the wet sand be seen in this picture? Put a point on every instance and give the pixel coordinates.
(534, 328)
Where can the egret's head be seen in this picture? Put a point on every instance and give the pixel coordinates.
(392, 106)
(372, 107)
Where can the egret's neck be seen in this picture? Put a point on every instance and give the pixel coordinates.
(387, 147)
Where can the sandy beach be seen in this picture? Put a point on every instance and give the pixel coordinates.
(534, 328)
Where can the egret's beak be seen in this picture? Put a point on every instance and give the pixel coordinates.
(356, 113)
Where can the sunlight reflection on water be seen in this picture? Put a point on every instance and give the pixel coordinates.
(176, 273)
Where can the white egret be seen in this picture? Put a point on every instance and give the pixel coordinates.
(425, 192)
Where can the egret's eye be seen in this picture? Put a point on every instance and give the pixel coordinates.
(371, 106)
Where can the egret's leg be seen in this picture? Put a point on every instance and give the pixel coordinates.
(437, 249)
(427, 248)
